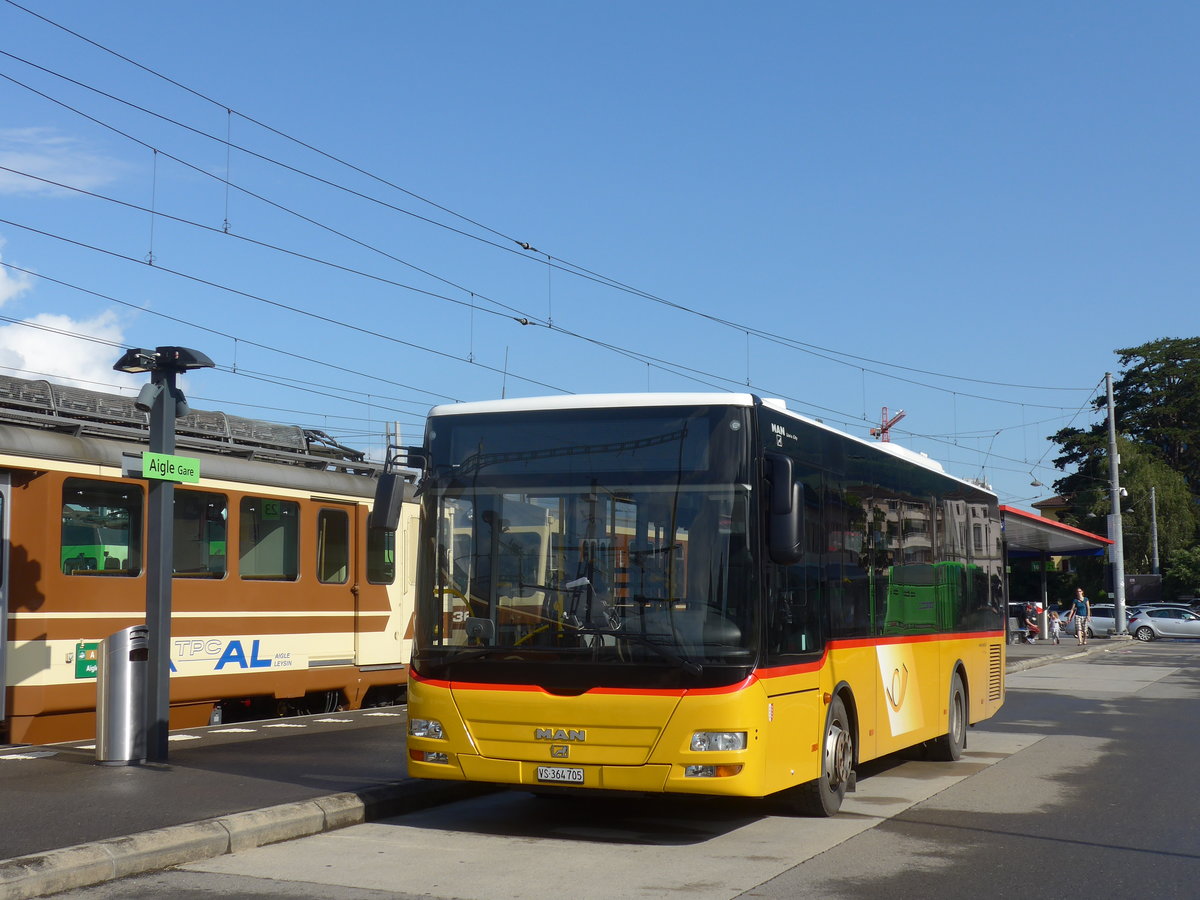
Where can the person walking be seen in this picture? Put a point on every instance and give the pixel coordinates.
(1081, 611)
(1055, 627)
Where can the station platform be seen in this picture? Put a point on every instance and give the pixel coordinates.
(69, 822)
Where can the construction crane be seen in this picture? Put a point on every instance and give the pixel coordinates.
(885, 425)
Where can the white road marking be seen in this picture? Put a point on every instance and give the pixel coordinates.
(33, 754)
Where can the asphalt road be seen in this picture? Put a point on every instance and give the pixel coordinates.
(1083, 785)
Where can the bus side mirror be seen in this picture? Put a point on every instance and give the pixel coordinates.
(402, 466)
(785, 521)
(389, 495)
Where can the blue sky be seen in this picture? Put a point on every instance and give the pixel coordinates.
(953, 209)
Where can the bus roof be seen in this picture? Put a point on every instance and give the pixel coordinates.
(592, 401)
(617, 401)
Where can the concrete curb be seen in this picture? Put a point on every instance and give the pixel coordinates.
(52, 871)
(1034, 662)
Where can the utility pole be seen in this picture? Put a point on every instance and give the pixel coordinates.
(1154, 530)
(1118, 547)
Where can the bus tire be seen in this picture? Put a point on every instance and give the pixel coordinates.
(822, 797)
(950, 745)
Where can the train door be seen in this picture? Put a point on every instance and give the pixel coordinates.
(4, 499)
(337, 555)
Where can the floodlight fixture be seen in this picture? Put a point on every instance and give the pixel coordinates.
(162, 359)
(180, 359)
(139, 359)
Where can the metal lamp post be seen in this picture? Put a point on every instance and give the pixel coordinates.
(1117, 533)
(165, 402)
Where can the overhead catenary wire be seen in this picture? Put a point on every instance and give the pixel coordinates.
(329, 320)
(243, 340)
(774, 338)
(524, 318)
(524, 245)
(221, 402)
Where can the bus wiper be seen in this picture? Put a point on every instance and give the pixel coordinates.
(692, 668)
(471, 653)
(464, 655)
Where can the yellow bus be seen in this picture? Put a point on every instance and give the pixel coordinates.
(691, 593)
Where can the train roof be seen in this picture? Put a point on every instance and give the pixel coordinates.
(77, 412)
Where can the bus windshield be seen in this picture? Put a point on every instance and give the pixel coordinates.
(588, 540)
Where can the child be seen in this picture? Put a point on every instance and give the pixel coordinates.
(1055, 627)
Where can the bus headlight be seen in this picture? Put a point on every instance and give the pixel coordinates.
(719, 740)
(426, 728)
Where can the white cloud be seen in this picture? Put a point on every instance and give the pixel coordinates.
(12, 284)
(75, 352)
(47, 154)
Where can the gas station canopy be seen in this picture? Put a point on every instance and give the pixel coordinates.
(1029, 535)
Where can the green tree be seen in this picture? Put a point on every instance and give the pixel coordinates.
(1182, 577)
(1157, 402)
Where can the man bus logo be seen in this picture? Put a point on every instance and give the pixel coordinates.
(559, 734)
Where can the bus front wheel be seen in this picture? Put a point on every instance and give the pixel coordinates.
(822, 797)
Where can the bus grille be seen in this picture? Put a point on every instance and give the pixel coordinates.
(995, 672)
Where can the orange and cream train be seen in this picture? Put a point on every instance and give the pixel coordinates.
(282, 599)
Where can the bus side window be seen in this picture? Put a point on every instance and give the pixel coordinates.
(793, 614)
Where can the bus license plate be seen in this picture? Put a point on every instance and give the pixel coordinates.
(560, 774)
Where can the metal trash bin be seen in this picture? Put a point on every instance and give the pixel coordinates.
(121, 697)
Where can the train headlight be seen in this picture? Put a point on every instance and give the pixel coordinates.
(426, 728)
(719, 740)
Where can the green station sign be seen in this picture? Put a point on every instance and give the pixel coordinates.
(167, 467)
(86, 660)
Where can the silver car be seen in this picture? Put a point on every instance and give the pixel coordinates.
(1102, 621)
(1165, 622)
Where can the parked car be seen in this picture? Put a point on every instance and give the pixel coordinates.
(1165, 622)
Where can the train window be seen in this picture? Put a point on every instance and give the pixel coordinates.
(333, 546)
(200, 526)
(381, 556)
(269, 539)
(101, 528)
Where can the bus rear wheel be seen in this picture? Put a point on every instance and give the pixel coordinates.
(950, 745)
(822, 797)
